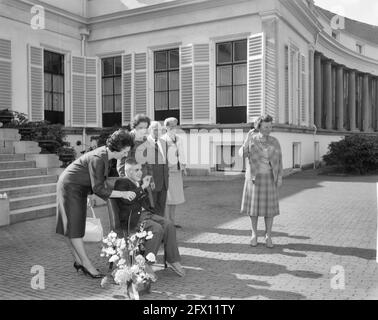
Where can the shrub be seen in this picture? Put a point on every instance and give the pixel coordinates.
(355, 153)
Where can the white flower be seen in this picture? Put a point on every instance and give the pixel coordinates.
(121, 262)
(113, 235)
(140, 260)
(114, 258)
(134, 269)
(122, 276)
(102, 255)
(151, 257)
(149, 235)
(133, 238)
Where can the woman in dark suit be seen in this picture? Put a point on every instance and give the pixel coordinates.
(86, 175)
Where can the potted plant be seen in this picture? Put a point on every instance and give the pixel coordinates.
(6, 116)
(66, 155)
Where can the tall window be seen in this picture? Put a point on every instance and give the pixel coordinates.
(111, 91)
(167, 86)
(232, 82)
(54, 87)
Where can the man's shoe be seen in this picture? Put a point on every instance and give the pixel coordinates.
(176, 267)
(151, 272)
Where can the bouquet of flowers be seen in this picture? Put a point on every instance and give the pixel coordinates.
(130, 264)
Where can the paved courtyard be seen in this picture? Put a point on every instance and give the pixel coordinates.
(326, 223)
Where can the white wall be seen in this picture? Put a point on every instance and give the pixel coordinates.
(21, 34)
(77, 7)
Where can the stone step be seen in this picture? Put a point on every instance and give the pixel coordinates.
(32, 201)
(12, 157)
(27, 181)
(6, 147)
(32, 213)
(5, 165)
(19, 173)
(32, 190)
(9, 134)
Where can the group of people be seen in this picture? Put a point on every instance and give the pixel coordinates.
(150, 186)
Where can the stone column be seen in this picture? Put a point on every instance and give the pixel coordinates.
(318, 91)
(328, 93)
(352, 101)
(366, 106)
(340, 98)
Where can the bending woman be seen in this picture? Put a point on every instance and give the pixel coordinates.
(86, 175)
(263, 177)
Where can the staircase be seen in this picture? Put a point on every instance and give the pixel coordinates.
(28, 178)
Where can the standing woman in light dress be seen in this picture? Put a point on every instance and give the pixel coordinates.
(177, 167)
(263, 178)
(84, 176)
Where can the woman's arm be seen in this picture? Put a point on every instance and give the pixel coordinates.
(244, 150)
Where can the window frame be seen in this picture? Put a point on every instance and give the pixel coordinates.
(168, 70)
(112, 76)
(51, 73)
(231, 64)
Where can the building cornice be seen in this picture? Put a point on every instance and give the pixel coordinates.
(345, 56)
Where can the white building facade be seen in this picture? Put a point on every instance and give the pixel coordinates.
(214, 65)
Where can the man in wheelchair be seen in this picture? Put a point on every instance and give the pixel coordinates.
(132, 213)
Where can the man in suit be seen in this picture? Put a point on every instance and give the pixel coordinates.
(134, 213)
(157, 165)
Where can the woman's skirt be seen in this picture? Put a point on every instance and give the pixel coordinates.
(71, 209)
(175, 194)
(260, 198)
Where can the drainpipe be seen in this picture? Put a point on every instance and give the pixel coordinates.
(84, 32)
(315, 132)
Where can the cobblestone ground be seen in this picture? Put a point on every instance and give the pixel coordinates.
(324, 222)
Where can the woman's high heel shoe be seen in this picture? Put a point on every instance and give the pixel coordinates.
(77, 266)
(93, 276)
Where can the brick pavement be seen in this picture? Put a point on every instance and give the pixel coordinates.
(325, 222)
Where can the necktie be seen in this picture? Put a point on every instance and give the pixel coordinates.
(156, 151)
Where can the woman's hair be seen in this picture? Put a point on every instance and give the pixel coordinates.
(170, 121)
(120, 140)
(139, 118)
(260, 120)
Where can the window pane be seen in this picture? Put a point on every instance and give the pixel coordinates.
(240, 51)
(173, 100)
(224, 76)
(58, 83)
(224, 52)
(173, 59)
(161, 100)
(161, 81)
(47, 81)
(174, 80)
(58, 102)
(224, 97)
(107, 86)
(117, 85)
(55, 63)
(118, 103)
(161, 60)
(107, 104)
(107, 67)
(46, 61)
(240, 74)
(117, 65)
(240, 96)
(48, 101)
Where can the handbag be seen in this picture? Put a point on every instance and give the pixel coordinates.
(93, 228)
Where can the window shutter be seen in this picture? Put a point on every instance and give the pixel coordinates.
(303, 91)
(78, 96)
(36, 83)
(287, 90)
(271, 106)
(91, 101)
(186, 84)
(201, 70)
(126, 89)
(255, 76)
(5, 74)
(84, 92)
(140, 83)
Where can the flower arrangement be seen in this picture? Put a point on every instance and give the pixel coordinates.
(130, 265)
